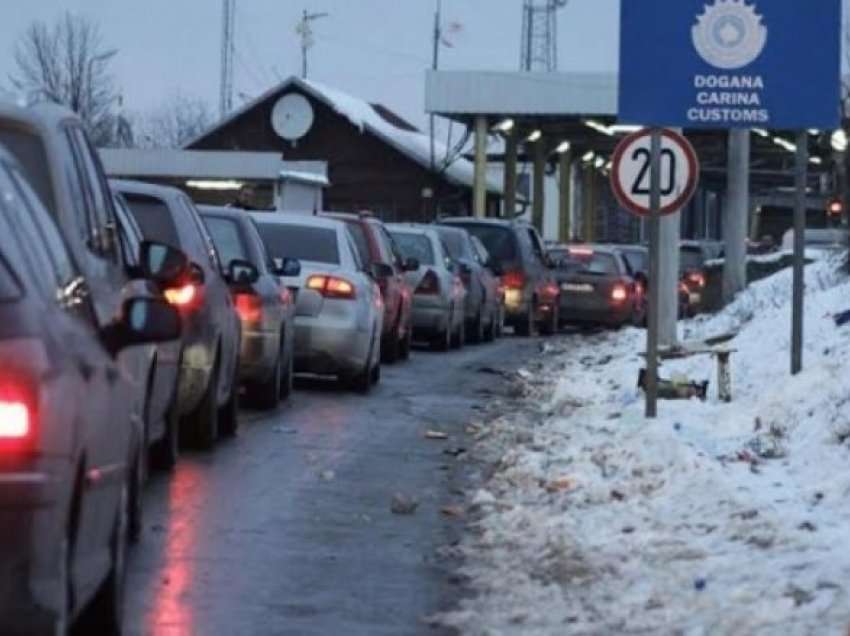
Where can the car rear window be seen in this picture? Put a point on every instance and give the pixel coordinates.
(690, 258)
(638, 261)
(28, 149)
(306, 243)
(228, 238)
(416, 246)
(499, 241)
(455, 242)
(597, 264)
(154, 219)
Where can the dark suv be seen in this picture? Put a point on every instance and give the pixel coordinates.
(517, 253)
(208, 386)
(382, 258)
(70, 437)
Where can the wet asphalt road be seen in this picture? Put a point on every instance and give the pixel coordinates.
(287, 529)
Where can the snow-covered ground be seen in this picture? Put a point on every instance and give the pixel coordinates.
(713, 519)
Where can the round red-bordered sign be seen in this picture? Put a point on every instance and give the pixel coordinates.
(630, 173)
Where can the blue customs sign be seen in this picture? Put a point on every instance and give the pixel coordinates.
(731, 63)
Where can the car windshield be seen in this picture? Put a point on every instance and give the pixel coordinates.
(28, 149)
(499, 241)
(154, 219)
(415, 246)
(690, 258)
(228, 239)
(304, 242)
(455, 242)
(595, 263)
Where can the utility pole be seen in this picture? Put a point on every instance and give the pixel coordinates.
(228, 51)
(539, 48)
(736, 214)
(435, 64)
(305, 30)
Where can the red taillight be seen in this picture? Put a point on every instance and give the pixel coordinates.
(429, 284)
(697, 279)
(181, 296)
(683, 288)
(249, 307)
(14, 420)
(513, 280)
(619, 293)
(331, 287)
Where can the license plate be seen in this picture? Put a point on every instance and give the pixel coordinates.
(583, 288)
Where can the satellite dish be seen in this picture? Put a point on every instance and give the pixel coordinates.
(292, 116)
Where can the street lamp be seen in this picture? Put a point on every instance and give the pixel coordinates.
(839, 140)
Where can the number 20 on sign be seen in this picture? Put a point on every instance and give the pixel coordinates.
(630, 173)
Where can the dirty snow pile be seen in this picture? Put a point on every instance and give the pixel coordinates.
(713, 519)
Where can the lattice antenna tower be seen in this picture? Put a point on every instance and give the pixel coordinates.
(228, 53)
(539, 48)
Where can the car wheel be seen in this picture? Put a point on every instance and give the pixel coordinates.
(203, 423)
(406, 343)
(288, 378)
(526, 324)
(105, 613)
(375, 376)
(443, 340)
(391, 345)
(476, 334)
(139, 477)
(459, 337)
(165, 452)
(228, 414)
(550, 327)
(266, 395)
(500, 322)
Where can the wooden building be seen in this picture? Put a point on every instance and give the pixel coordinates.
(376, 160)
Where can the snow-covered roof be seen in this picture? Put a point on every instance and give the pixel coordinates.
(301, 176)
(412, 143)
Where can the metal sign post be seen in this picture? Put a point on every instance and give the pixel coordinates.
(654, 270)
(800, 178)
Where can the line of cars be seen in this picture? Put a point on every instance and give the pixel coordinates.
(134, 322)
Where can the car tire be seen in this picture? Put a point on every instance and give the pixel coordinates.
(375, 376)
(476, 334)
(525, 326)
(202, 424)
(288, 378)
(391, 347)
(458, 339)
(443, 340)
(265, 396)
(104, 615)
(550, 327)
(165, 452)
(407, 343)
(228, 413)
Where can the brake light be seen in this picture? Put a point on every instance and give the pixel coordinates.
(581, 251)
(429, 284)
(619, 293)
(181, 296)
(14, 420)
(513, 280)
(331, 287)
(249, 307)
(697, 279)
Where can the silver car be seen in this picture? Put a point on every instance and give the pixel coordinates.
(483, 298)
(338, 304)
(439, 296)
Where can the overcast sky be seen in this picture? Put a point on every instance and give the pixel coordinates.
(375, 49)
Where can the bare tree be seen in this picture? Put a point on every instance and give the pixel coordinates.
(66, 63)
(180, 120)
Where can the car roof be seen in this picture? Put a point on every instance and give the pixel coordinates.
(468, 220)
(224, 212)
(144, 188)
(413, 228)
(295, 218)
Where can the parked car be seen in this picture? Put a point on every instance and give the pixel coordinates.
(637, 258)
(692, 268)
(439, 296)
(339, 310)
(70, 434)
(492, 270)
(158, 364)
(482, 297)
(265, 307)
(597, 287)
(378, 251)
(208, 385)
(531, 291)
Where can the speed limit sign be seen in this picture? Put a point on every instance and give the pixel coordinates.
(631, 174)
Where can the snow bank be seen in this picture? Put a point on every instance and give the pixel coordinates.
(713, 519)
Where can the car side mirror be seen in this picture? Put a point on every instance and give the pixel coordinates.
(410, 264)
(161, 263)
(240, 272)
(142, 321)
(381, 270)
(464, 268)
(495, 267)
(287, 266)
